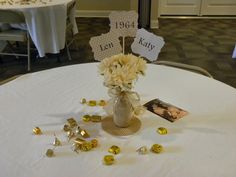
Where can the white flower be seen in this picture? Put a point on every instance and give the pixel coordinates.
(120, 71)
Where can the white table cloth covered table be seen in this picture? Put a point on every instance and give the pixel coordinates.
(46, 23)
(202, 144)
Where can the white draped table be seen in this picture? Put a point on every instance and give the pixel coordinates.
(202, 144)
(46, 23)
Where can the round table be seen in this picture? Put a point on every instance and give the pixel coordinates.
(46, 23)
(200, 144)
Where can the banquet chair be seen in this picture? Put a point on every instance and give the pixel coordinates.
(14, 35)
(188, 67)
(69, 28)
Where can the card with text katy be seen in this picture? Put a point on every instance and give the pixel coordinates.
(147, 44)
(165, 110)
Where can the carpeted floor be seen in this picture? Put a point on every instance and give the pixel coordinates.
(207, 43)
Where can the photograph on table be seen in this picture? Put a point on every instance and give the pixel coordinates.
(165, 110)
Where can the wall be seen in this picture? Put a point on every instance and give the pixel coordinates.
(102, 8)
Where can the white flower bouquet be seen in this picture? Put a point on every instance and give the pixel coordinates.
(120, 71)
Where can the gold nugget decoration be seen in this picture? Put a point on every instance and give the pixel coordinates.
(86, 146)
(37, 131)
(86, 118)
(72, 122)
(114, 149)
(49, 153)
(56, 141)
(142, 150)
(84, 133)
(83, 101)
(92, 103)
(108, 159)
(96, 118)
(102, 103)
(76, 147)
(157, 148)
(94, 143)
(162, 131)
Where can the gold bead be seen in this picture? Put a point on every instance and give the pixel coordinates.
(37, 131)
(92, 103)
(50, 153)
(156, 148)
(162, 131)
(56, 142)
(83, 101)
(108, 159)
(142, 150)
(96, 118)
(86, 118)
(86, 146)
(94, 143)
(102, 103)
(72, 122)
(114, 149)
(84, 134)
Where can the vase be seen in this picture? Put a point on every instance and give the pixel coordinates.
(122, 111)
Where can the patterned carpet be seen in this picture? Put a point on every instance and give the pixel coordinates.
(207, 43)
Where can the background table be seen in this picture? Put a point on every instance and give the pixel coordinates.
(201, 144)
(234, 52)
(46, 23)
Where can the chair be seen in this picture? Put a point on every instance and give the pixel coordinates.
(192, 68)
(69, 27)
(16, 35)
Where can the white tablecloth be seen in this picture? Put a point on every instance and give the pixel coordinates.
(46, 24)
(202, 144)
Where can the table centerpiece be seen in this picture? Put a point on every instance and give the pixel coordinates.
(120, 72)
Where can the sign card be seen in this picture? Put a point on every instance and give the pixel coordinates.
(147, 44)
(105, 45)
(124, 23)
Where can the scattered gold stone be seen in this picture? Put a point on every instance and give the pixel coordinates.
(72, 122)
(86, 118)
(156, 148)
(162, 131)
(66, 128)
(50, 153)
(70, 134)
(142, 150)
(84, 133)
(76, 147)
(108, 159)
(94, 143)
(92, 103)
(37, 131)
(83, 101)
(86, 146)
(79, 141)
(102, 103)
(114, 149)
(96, 118)
(56, 142)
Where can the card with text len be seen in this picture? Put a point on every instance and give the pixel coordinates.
(165, 110)
(105, 45)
